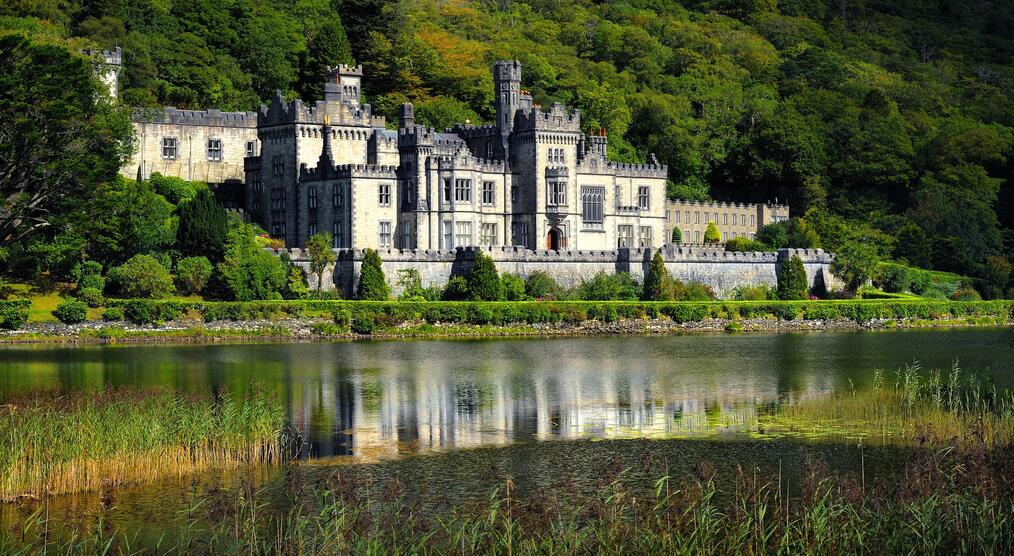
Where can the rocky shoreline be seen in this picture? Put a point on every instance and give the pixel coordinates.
(305, 329)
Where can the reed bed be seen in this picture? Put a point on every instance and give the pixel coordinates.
(951, 504)
(53, 444)
(911, 406)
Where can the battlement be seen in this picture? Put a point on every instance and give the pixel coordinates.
(557, 118)
(212, 117)
(345, 69)
(281, 111)
(112, 57)
(680, 203)
(468, 162)
(650, 170)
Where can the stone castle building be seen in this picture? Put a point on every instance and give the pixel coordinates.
(733, 220)
(531, 179)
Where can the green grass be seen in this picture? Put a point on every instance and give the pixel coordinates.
(62, 444)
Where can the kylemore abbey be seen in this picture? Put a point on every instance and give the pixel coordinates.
(535, 178)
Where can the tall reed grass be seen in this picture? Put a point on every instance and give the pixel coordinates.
(910, 406)
(52, 444)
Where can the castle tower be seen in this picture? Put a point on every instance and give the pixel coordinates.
(406, 116)
(108, 64)
(507, 81)
(344, 84)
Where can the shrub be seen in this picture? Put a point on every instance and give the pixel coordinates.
(318, 248)
(71, 311)
(247, 271)
(711, 234)
(697, 291)
(541, 285)
(854, 264)
(14, 314)
(605, 312)
(894, 278)
(295, 285)
(89, 276)
(141, 311)
(328, 329)
(658, 284)
(372, 284)
(91, 297)
(792, 282)
(113, 313)
(342, 319)
(203, 226)
(456, 289)
(513, 287)
(192, 273)
(484, 282)
(143, 277)
(677, 236)
(762, 292)
(745, 244)
(363, 324)
(605, 286)
(965, 293)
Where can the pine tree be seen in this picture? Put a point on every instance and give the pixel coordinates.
(711, 235)
(792, 282)
(203, 227)
(677, 236)
(372, 283)
(484, 282)
(658, 285)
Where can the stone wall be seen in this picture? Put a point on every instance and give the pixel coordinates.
(721, 270)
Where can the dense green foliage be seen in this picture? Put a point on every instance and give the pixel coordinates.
(372, 282)
(484, 282)
(142, 276)
(192, 274)
(792, 283)
(247, 271)
(711, 234)
(657, 284)
(203, 225)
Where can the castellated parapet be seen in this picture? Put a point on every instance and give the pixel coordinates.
(211, 117)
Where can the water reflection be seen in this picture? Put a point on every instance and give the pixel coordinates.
(375, 400)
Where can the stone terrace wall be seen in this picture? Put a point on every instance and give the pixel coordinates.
(721, 270)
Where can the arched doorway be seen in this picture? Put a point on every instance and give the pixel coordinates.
(553, 239)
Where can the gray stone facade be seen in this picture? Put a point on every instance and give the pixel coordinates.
(721, 270)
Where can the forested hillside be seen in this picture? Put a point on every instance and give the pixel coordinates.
(887, 124)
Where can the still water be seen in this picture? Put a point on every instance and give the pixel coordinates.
(379, 400)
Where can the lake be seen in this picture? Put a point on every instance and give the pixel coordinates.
(459, 415)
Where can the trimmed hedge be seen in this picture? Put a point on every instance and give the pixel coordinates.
(14, 313)
(357, 314)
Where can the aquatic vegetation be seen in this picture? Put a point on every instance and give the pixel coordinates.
(951, 504)
(54, 444)
(911, 406)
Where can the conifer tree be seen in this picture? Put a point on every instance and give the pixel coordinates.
(372, 283)
(203, 227)
(658, 285)
(792, 282)
(711, 235)
(484, 283)
(677, 236)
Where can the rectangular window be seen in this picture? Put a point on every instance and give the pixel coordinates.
(686, 217)
(557, 193)
(335, 197)
(753, 222)
(676, 217)
(725, 237)
(385, 234)
(462, 234)
(169, 151)
(592, 203)
(336, 235)
(278, 165)
(384, 194)
(725, 219)
(488, 196)
(697, 236)
(447, 190)
(519, 233)
(488, 234)
(686, 236)
(514, 193)
(406, 236)
(312, 228)
(215, 150)
(645, 236)
(312, 197)
(251, 148)
(643, 197)
(742, 220)
(624, 236)
(448, 234)
(697, 218)
(463, 191)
